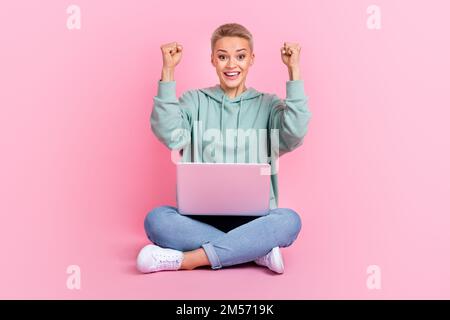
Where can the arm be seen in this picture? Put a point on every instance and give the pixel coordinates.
(291, 116)
(171, 118)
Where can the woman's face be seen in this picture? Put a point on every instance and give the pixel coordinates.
(232, 58)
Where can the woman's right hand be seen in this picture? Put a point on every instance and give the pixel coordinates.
(171, 53)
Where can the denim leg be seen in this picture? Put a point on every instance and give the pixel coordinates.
(256, 238)
(167, 228)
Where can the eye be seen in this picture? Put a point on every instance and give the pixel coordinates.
(241, 57)
(221, 57)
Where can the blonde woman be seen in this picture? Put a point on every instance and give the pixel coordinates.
(183, 242)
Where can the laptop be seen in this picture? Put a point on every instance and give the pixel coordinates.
(234, 189)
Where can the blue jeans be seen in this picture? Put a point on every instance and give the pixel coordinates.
(227, 240)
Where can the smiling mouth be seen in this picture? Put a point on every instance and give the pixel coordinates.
(232, 75)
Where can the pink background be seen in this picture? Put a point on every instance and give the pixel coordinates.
(80, 167)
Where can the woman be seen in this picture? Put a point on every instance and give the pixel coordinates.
(187, 242)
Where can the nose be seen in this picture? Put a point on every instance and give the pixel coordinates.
(231, 63)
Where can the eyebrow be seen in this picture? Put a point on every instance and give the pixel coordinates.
(236, 50)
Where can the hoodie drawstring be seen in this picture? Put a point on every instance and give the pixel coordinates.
(239, 112)
(238, 122)
(238, 119)
(221, 114)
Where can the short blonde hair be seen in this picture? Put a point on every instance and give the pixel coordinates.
(231, 30)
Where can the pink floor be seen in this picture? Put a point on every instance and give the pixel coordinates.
(80, 166)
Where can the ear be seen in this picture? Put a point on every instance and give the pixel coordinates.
(212, 60)
(252, 60)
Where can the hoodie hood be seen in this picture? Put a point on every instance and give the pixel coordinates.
(219, 95)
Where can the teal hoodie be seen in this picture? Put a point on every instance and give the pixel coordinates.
(197, 125)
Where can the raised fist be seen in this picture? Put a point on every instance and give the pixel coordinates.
(171, 53)
(290, 54)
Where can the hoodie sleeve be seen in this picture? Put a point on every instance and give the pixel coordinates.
(171, 118)
(290, 116)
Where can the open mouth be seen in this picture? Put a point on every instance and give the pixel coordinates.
(232, 75)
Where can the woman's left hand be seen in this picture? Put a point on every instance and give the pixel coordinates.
(290, 54)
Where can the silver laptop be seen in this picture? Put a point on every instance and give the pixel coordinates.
(223, 188)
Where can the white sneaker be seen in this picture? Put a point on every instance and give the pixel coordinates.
(152, 258)
(273, 260)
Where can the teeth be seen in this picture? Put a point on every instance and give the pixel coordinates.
(232, 74)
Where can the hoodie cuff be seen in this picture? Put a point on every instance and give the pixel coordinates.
(167, 90)
(295, 89)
